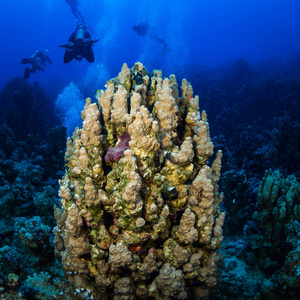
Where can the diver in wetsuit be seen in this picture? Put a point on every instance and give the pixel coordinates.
(80, 42)
(38, 59)
(143, 29)
(74, 7)
(79, 45)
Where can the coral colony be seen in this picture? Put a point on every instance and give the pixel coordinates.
(141, 213)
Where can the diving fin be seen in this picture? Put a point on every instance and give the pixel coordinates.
(165, 49)
(69, 55)
(89, 55)
(26, 61)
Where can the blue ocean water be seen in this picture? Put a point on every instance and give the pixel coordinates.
(203, 32)
(242, 58)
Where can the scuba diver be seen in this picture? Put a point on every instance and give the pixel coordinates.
(74, 7)
(38, 59)
(143, 29)
(79, 45)
(80, 42)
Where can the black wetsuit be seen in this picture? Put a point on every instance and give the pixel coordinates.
(74, 7)
(143, 29)
(38, 59)
(79, 48)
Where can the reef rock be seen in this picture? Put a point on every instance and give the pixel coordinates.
(141, 219)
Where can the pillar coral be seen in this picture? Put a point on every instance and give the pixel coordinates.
(149, 224)
(277, 213)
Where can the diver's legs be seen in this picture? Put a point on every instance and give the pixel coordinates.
(40, 68)
(89, 55)
(34, 68)
(69, 55)
(26, 73)
(78, 15)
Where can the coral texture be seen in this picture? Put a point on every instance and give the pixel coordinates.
(277, 206)
(146, 224)
(277, 214)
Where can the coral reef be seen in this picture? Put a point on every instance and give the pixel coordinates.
(115, 153)
(236, 200)
(27, 189)
(277, 206)
(35, 236)
(240, 279)
(254, 119)
(267, 256)
(277, 244)
(26, 108)
(263, 263)
(147, 222)
(257, 112)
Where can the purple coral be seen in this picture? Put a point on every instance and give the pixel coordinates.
(116, 152)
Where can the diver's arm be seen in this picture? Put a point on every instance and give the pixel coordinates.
(34, 55)
(68, 46)
(89, 41)
(48, 59)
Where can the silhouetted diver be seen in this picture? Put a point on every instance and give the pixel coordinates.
(74, 7)
(143, 29)
(79, 45)
(37, 60)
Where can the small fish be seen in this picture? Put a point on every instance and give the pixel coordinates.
(97, 94)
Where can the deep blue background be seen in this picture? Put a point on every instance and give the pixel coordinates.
(202, 32)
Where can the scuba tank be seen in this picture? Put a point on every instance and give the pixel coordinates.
(80, 34)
